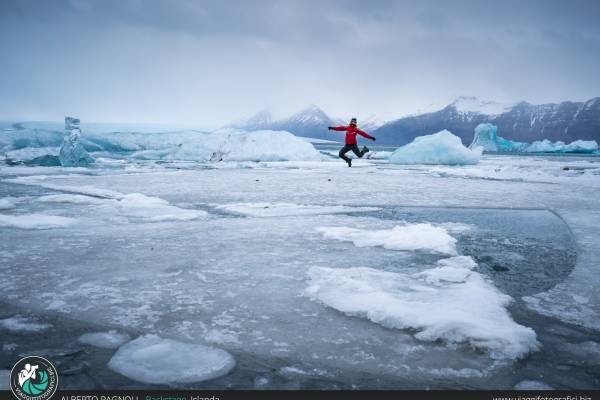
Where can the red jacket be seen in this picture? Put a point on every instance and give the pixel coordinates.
(351, 132)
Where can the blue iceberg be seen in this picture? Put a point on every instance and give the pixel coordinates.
(486, 137)
(440, 148)
(72, 153)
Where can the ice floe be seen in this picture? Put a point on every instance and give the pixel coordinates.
(106, 340)
(450, 302)
(152, 359)
(409, 237)
(22, 324)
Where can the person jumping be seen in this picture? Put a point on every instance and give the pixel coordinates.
(351, 131)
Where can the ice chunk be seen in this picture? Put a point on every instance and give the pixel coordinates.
(133, 205)
(440, 148)
(72, 153)
(582, 146)
(154, 209)
(106, 340)
(532, 385)
(578, 146)
(286, 209)
(408, 237)
(455, 306)
(152, 359)
(486, 137)
(43, 156)
(545, 146)
(35, 221)
(235, 145)
(23, 324)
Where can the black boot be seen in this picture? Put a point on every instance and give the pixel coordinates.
(349, 162)
(365, 150)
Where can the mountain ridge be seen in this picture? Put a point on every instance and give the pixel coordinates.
(566, 121)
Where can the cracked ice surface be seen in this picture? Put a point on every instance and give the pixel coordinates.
(236, 281)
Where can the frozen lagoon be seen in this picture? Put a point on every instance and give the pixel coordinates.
(238, 281)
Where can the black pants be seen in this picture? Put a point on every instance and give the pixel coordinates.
(350, 147)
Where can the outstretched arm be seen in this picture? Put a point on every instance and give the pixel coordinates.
(337, 128)
(364, 134)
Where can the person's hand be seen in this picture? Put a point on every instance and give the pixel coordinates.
(373, 139)
(330, 128)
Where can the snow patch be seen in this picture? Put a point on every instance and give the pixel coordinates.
(106, 340)
(410, 237)
(152, 359)
(450, 302)
(439, 148)
(474, 105)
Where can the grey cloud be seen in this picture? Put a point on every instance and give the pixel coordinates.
(214, 61)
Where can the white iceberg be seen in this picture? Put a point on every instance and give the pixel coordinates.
(410, 237)
(72, 153)
(450, 302)
(225, 145)
(440, 148)
(152, 359)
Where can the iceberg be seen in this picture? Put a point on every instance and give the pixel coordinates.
(486, 137)
(440, 148)
(578, 146)
(72, 153)
(236, 145)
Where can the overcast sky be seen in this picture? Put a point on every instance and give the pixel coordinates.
(211, 62)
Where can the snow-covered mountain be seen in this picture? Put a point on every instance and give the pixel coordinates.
(567, 121)
(312, 122)
(523, 122)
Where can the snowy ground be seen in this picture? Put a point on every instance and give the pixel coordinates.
(310, 274)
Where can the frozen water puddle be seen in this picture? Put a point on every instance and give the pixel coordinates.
(277, 290)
